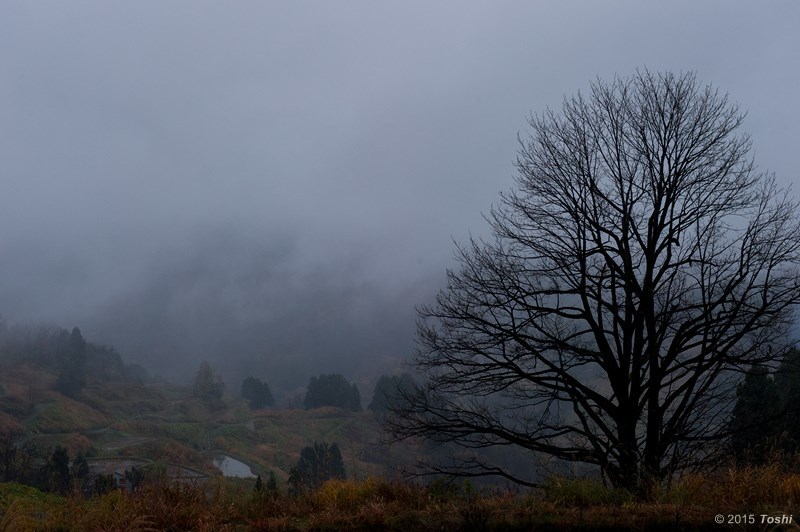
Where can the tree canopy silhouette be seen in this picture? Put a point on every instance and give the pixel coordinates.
(206, 386)
(316, 464)
(257, 393)
(72, 370)
(332, 390)
(389, 389)
(639, 266)
(757, 421)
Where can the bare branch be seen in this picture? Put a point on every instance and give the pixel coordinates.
(638, 266)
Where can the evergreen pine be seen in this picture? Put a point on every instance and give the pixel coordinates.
(72, 365)
(272, 483)
(317, 464)
(787, 379)
(332, 390)
(60, 475)
(757, 420)
(390, 390)
(257, 393)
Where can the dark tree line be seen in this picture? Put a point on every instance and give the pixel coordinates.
(51, 471)
(76, 361)
(332, 390)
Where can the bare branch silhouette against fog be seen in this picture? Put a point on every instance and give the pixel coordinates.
(641, 263)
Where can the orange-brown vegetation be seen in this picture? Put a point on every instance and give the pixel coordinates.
(691, 502)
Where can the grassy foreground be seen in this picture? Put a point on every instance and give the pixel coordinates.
(374, 504)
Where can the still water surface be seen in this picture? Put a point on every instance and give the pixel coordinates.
(231, 467)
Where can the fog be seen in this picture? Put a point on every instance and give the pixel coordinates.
(273, 187)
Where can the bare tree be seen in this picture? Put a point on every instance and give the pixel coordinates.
(639, 266)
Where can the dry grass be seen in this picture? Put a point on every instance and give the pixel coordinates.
(377, 504)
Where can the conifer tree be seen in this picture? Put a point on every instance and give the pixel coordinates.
(257, 393)
(757, 418)
(58, 466)
(787, 380)
(317, 464)
(332, 390)
(72, 365)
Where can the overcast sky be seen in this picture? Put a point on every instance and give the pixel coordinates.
(263, 184)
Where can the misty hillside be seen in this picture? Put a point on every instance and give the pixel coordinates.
(274, 190)
(57, 389)
(410, 265)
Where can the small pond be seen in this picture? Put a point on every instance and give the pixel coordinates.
(231, 467)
